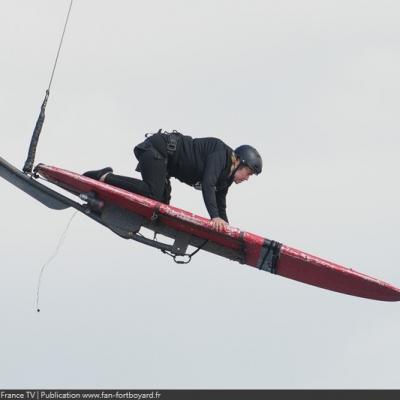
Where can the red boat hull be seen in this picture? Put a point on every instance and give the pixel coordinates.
(291, 263)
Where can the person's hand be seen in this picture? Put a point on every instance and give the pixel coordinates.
(218, 224)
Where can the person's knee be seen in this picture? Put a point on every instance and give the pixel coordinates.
(154, 173)
(158, 194)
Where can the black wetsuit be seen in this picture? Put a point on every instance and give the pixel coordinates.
(203, 162)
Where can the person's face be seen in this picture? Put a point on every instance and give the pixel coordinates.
(242, 174)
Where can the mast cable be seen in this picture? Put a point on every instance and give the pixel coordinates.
(27, 168)
(60, 45)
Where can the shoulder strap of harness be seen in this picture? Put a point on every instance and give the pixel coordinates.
(172, 143)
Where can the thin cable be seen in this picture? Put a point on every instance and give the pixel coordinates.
(59, 47)
(60, 242)
(27, 168)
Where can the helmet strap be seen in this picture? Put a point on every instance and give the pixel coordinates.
(235, 169)
(234, 159)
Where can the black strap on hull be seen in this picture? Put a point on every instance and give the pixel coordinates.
(269, 256)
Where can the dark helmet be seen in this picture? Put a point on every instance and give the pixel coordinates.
(250, 157)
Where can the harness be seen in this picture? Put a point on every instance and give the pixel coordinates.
(172, 140)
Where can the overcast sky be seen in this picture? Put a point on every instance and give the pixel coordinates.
(314, 85)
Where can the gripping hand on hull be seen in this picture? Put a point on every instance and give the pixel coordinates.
(219, 224)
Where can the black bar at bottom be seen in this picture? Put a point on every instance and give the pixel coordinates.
(144, 394)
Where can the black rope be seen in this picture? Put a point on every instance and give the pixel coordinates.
(27, 168)
(174, 256)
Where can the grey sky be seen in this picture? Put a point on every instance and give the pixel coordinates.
(313, 84)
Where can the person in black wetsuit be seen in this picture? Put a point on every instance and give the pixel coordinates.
(205, 163)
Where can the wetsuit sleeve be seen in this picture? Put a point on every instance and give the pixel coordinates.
(221, 203)
(215, 164)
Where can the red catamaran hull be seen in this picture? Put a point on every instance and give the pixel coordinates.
(290, 263)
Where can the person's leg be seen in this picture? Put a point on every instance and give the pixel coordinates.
(154, 174)
(124, 182)
(130, 184)
(98, 174)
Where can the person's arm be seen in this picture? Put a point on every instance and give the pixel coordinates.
(214, 165)
(221, 203)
